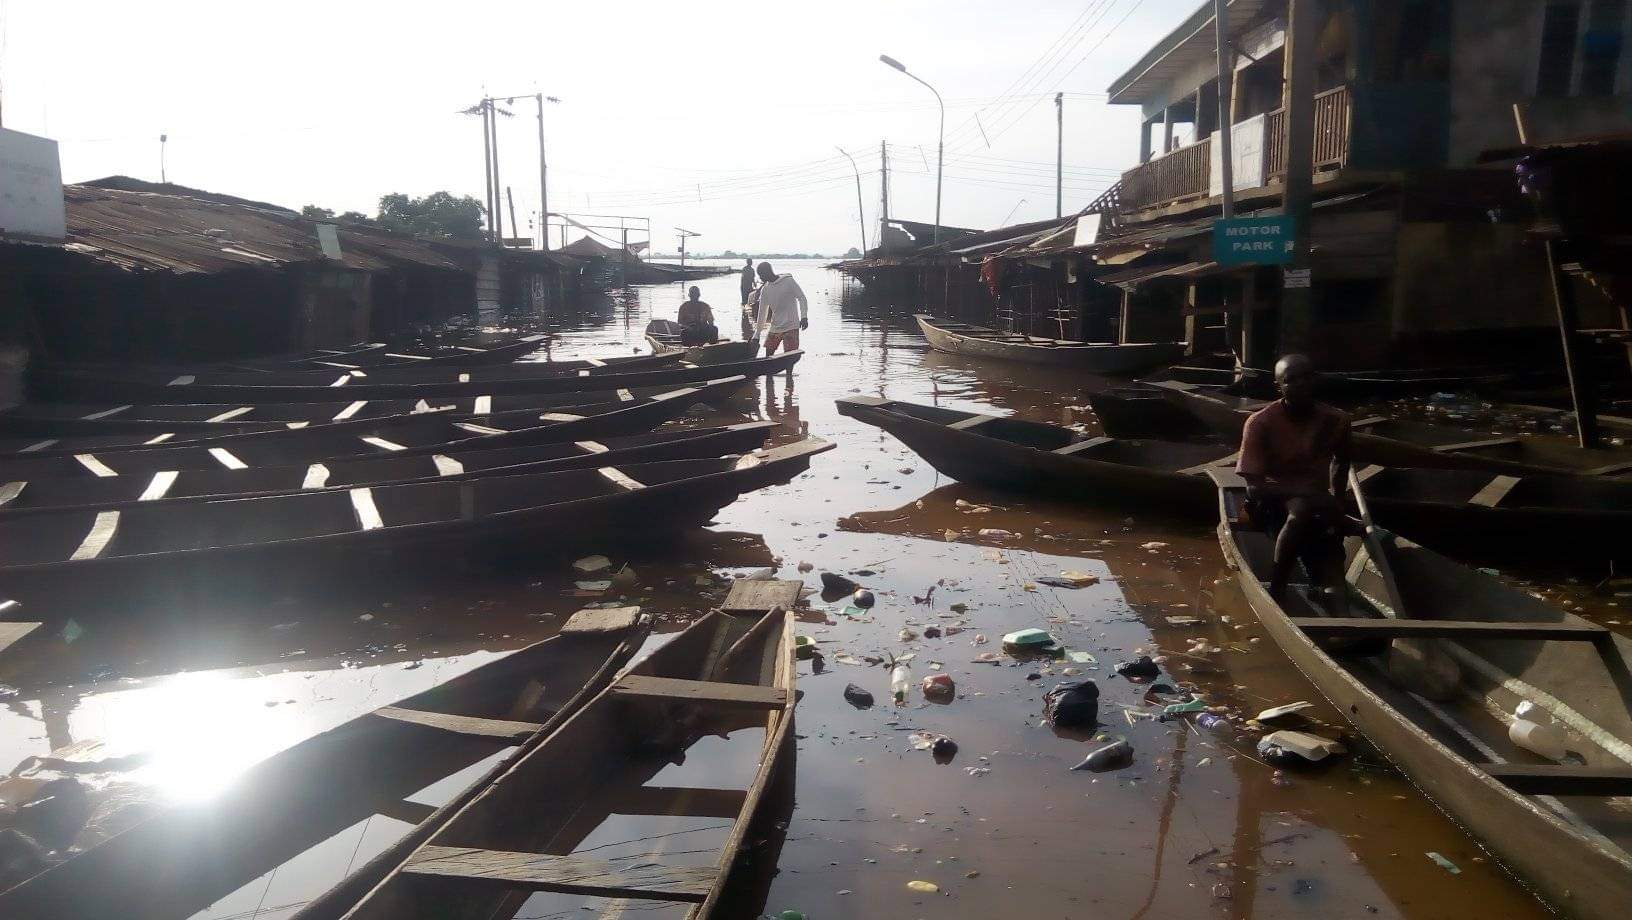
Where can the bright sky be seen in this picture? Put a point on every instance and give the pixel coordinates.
(721, 117)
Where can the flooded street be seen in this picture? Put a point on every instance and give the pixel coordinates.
(162, 697)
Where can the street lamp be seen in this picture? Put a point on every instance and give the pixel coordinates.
(861, 217)
(940, 144)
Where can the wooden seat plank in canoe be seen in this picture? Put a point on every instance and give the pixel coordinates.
(464, 725)
(973, 421)
(692, 802)
(1474, 445)
(705, 692)
(752, 597)
(572, 874)
(1561, 779)
(1080, 446)
(11, 633)
(1494, 491)
(1354, 628)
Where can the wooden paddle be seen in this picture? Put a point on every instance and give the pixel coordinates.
(1376, 548)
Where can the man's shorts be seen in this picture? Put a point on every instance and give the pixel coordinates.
(788, 340)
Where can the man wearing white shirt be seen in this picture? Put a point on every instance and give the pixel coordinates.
(783, 310)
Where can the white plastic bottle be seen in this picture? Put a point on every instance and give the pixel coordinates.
(900, 682)
(1533, 730)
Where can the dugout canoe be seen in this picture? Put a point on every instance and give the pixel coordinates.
(1014, 454)
(84, 419)
(1470, 514)
(488, 513)
(1095, 357)
(543, 839)
(112, 492)
(1401, 443)
(412, 383)
(399, 435)
(185, 858)
(663, 337)
(1558, 826)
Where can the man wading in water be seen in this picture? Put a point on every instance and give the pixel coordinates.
(1295, 459)
(783, 310)
(747, 286)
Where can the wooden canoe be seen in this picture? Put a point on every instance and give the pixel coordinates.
(1470, 514)
(545, 509)
(1017, 454)
(1394, 442)
(182, 859)
(585, 821)
(1142, 412)
(58, 420)
(410, 383)
(400, 436)
(1095, 357)
(1560, 827)
(663, 337)
(112, 492)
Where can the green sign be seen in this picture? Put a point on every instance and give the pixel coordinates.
(1253, 241)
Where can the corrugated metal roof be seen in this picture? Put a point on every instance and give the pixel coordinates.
(141, 231)
(1181, 50)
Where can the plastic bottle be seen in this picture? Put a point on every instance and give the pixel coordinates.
(900, 682)
(1532, 729)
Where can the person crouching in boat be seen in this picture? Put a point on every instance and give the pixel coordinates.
(1295, 459)
(783, 310)
(697, 320)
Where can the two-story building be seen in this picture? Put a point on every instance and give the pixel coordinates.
(1420, 252)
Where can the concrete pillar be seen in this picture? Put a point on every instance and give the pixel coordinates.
(1144, 141)
(1167, 129)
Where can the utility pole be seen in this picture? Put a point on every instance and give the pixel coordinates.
(1226, 80)
(1059, 154)
(883, 190)
(861, 217)
(514, 228)
(487, 162)
(163, 177)
(1302, 25)
(498, 216)
(543, 178)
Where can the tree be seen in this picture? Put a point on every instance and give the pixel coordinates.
(852, 253)
(316, 213)
(438, 214)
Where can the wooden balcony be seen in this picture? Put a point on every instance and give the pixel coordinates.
(1171, 177)
(1186, 173)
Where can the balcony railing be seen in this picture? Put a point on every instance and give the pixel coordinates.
(1187, 172)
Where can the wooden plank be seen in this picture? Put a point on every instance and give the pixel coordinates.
(1561, 779)
(13, 633)
(1494, 491)
(972, 422)
(1080, 446)
(1474, 445)
(700, 692)
(603, 620)
(755, 596)
(621, 479)
(690, 802)
(503, 729)
(1354, 628)
(570, 874)
(98, 537)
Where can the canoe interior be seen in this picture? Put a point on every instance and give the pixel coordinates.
(115, 491)
(311, 798)
(654, 783)
(1586, 685)
(405, 511)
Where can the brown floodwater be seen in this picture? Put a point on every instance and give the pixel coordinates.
(161, 697)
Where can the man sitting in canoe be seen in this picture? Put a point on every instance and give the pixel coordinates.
(1295, 459)
(697, 320)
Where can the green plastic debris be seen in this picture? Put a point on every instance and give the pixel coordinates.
(1030, 639)
(1175, 709)
(1444, 863)
(790, 915)
(1076, 656)
(803, 647)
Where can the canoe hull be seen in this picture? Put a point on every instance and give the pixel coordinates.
(1579, 879)
(1098, 359)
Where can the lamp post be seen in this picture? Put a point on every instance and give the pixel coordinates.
(860, 216)
(940, 144)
